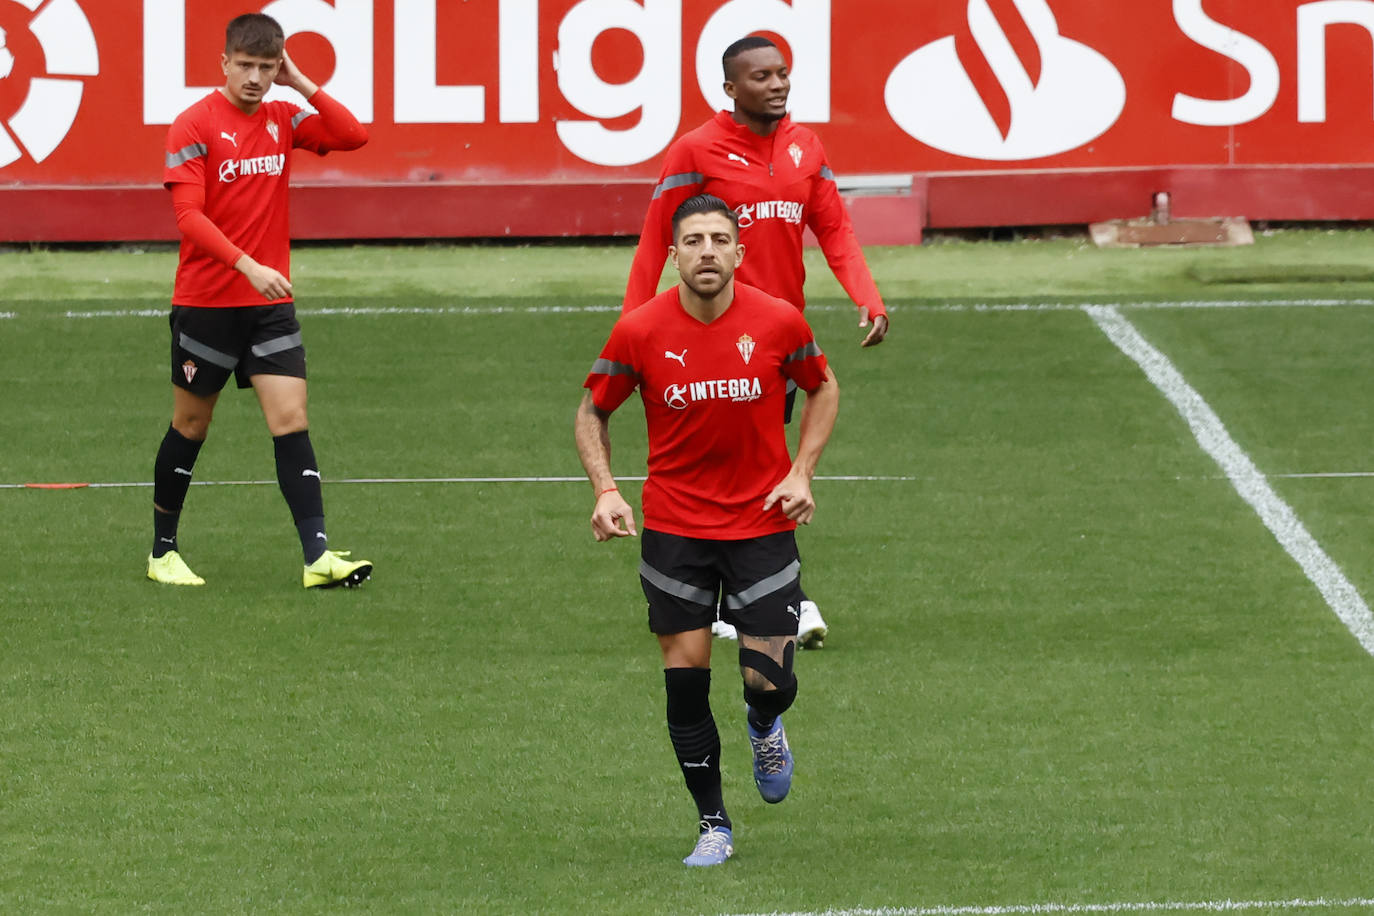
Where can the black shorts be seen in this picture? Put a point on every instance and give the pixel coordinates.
(756, 582)
(210, 343)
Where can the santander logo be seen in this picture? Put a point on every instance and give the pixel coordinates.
(1051, 93)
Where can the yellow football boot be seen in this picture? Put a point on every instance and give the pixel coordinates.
(171, 569)
(332, 568)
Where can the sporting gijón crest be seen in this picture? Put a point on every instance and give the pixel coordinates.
(745, 346)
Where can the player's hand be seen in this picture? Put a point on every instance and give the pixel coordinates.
(288, 74)
(269, 282)
(793, 497)
(879, 331)
(611, 510)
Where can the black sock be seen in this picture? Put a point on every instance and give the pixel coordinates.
(176, 459)
(696, 742)
(313, 540)
(760, 723)
(299, 479)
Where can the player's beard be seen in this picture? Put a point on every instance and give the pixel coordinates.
(710, 295)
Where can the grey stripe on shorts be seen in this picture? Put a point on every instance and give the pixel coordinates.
(277, 344)
(764, 587)
(684, 590)
(209, 354)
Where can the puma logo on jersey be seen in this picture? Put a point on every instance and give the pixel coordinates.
(232, 138)
(738, 158)
(681, 360)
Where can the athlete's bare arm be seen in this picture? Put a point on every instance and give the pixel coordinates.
(268, 281)
(793, 494)
(592, 431)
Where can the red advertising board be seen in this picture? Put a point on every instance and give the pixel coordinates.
(505, 97)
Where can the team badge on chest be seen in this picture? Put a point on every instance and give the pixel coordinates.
(795, 152)
(274, 131)
(745, 346)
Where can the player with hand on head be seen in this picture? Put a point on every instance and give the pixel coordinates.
(775, 175)
(228, 165)
(712, 359)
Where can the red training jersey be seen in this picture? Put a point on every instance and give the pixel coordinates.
(779, 185)
(713, 400)
(243, 162)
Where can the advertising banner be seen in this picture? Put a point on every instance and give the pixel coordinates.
(593, 91)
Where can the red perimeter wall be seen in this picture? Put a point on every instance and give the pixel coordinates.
(888, 215)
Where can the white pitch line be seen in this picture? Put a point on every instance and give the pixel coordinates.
(1207, 906)
(1211, 434)
(115, 485)
(1322, 474)
(842, 478)
(898, 307)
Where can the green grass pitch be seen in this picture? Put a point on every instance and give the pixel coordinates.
(1068, 665)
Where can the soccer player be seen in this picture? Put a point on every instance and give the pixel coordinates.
(711, 359)
(775, 175)
(228, 166)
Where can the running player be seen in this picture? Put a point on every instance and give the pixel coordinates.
(711, 359)
(228, 164)
(775, 175)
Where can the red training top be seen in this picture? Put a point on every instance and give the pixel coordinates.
(229, 173)
(713, 400)
(779, 185)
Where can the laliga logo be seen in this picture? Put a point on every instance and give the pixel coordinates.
(50, 106)
(1071, 95)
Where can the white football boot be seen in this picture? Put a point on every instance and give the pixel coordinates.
(811, 628)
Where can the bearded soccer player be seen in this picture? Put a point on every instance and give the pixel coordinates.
(775, 175)
(712, 359)
(228, 166)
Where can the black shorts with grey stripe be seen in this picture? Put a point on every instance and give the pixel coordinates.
(210, 344)
(756, 583)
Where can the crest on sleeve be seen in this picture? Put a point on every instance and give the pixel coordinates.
(745, 345)
(274, 131)
(795, 152)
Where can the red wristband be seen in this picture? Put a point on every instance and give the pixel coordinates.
(608, 490)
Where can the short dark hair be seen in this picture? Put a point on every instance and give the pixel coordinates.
(747, 43)
(256, 34)
(700, 204)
